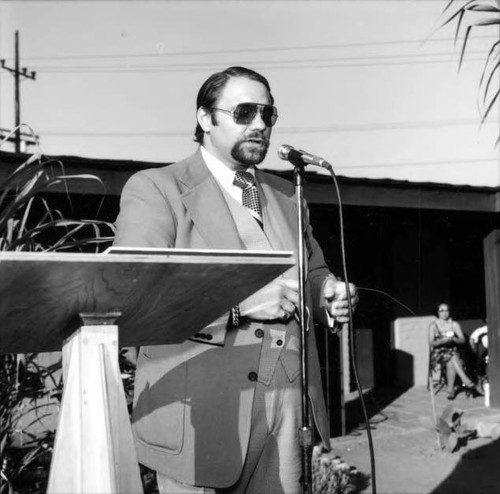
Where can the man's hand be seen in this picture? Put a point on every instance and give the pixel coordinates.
(335, 294)
(277, 300)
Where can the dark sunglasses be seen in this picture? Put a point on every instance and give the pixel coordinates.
(244, 113)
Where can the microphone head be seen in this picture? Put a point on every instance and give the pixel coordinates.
(284, 151)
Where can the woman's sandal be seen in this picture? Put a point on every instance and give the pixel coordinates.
(472, 390)
(451, 395)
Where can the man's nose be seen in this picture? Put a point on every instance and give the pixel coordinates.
(257, 123)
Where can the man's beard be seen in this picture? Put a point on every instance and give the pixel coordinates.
(247, 154)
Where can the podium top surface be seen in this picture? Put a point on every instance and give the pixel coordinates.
(163, 295)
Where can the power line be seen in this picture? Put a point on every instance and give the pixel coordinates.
(386, 126)
(306, 60)
(421, 163)
(161, 52)
(272, 65)
(289, 130)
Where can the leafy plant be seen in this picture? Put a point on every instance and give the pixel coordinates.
(29, 391)
(489, 89)
(332, 475)
(27, 401)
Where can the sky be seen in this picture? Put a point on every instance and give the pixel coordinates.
(371, 86)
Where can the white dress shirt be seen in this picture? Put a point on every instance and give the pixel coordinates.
(225, 176)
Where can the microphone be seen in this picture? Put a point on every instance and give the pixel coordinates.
(289, 153)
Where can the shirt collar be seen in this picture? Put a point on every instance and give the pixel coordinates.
(220, 171)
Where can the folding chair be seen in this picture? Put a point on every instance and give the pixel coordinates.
(436, 376)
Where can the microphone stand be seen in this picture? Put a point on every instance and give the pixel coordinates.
(305, 433)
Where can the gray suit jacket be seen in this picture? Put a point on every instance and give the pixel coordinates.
(193, 401)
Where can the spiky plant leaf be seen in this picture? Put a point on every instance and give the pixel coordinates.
(29, 223)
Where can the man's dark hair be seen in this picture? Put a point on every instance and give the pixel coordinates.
(210, 91)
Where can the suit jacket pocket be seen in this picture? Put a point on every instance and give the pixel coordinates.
(159, 404)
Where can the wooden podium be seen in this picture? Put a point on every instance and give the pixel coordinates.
(89, 305)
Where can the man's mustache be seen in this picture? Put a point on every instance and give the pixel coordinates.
(258, 135)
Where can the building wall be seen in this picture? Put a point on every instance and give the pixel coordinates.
(405, 262)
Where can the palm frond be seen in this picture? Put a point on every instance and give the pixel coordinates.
(490, 106)
(484, 8)
(488, 75)
(488, 94)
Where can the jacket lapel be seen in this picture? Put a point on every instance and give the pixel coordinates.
(280, 211)
(284, 217)
(208, 208)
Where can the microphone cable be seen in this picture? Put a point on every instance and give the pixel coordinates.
(393, 299)
(351, 333)
(298, 156)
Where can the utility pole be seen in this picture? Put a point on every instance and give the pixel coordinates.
(17, 80)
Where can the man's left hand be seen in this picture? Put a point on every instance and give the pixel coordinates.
(335, 294)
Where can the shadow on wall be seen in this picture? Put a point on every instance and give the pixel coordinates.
(410, 338)
(404, 368)
(476, 472)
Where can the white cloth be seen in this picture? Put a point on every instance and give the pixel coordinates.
(477, 333)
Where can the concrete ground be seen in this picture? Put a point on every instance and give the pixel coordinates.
(405, 442)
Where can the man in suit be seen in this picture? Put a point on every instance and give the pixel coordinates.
(220, 412)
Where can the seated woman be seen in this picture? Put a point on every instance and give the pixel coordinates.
(445, 336)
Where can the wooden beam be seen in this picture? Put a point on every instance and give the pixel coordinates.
(492, 280)
(389, 193)
(318, 188)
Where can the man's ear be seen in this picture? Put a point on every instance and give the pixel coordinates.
(204, 118)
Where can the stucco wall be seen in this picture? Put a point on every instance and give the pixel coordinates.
(411, 349)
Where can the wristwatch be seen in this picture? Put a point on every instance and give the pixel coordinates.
(235, 316)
